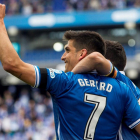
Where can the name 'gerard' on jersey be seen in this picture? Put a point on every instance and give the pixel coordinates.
(99, 85)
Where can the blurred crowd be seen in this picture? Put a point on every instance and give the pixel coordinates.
(26, 117)
(27, 7)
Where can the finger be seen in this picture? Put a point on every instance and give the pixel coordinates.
(4, 8)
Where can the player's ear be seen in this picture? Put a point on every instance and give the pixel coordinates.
(83, 54)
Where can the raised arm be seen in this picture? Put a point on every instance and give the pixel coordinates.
(94, 61)
(10, 59)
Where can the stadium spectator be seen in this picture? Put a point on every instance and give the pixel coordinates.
(137, 4)
(28, 7)
(25, 118)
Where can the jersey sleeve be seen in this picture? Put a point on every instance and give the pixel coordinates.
(129, 83)
(132, 110)
(115, 73)
(54, 81)
(112, 73)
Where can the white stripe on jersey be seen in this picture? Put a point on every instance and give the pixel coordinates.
(58, 131)
(120, 133)
(37, 76)
(122, 72)
(134, 124)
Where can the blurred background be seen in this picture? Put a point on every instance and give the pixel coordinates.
(36, 28)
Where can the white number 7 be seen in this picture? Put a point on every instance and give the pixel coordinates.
(100, 103)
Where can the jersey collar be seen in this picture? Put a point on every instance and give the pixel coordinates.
(122, 72)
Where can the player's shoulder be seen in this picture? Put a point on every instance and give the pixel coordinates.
(112, 80)
(117, 84)
(125, 90)
(128, 82)
(54, 72)
(121, 76)
(59, 74)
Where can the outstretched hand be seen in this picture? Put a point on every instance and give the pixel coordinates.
(2, 11)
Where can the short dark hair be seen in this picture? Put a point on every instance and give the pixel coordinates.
(89, 40)
(116, 54)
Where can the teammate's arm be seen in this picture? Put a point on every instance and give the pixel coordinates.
(10, 59)
(137, 128)
(94, 61)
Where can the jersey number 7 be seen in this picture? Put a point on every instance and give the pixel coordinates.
(100, 103)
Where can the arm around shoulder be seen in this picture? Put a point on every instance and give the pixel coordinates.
(100, 63)
(94, 61)
(137, 128)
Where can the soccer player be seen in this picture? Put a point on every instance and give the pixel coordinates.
(86, 106)
(116, 54)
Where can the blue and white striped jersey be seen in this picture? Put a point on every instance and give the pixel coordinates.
(88, 106)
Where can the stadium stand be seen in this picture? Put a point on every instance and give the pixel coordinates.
(29, 115)
(26, 115)
(27, 7)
